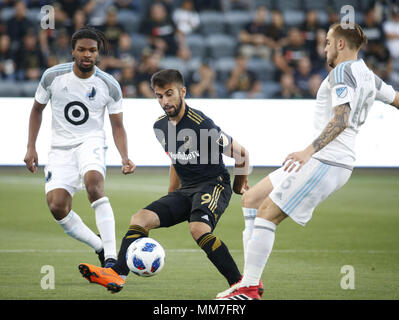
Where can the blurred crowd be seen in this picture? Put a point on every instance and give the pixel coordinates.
(224, 48)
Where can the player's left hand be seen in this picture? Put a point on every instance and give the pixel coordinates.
(296, 160)
(128, 166)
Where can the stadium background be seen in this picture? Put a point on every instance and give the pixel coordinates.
(275, 47)
(357, 226)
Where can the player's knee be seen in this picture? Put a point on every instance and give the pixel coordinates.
(145, 219)
(197, 229)
(270, 211)
(94, 192)
(248, 199)
(58, 208)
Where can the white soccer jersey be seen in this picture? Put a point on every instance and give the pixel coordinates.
(78, 105)
(354, 83)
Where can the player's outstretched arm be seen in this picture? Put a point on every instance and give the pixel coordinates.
(337, 124)
(120, 139)
(241, 168)
(35, 121)
(395, 102)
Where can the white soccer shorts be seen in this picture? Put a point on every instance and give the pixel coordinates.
(66, 167)
(298, 193)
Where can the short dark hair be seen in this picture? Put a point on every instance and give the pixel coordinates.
(354, 35)
(165, 77)
(88, 32)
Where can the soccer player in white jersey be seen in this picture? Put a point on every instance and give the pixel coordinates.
(80, 93)
(309, 176)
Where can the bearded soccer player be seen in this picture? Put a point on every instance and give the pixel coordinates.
(199, 188)
(80, 93)
(309, 176)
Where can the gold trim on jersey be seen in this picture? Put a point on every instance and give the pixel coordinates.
(215, 197)
(194, 116)
(161, 117)
(196, 121)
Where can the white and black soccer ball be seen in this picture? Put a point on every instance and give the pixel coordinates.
(145, 257)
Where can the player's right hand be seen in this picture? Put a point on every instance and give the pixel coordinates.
(31, 160)
(128, 166)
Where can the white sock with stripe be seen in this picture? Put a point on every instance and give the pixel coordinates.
(249, 219)
(105, 222)
(258, 251)
(75, 227)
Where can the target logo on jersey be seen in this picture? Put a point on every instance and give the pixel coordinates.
(76, 113)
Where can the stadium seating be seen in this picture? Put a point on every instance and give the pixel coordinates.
(236, 20)
(197, 45)
(288, 5)
(212, 22)
(215, 41)
(223, 66)
(170, 62)
(221, 45)
(130, 20)
(315, 4)
(264, 69)
(294, 17)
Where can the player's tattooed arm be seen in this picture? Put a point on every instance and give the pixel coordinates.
(337, 124)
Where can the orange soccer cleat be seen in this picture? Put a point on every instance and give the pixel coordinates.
(106, 277)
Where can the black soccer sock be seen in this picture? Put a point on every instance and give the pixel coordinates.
(135, 232)
(220, 256)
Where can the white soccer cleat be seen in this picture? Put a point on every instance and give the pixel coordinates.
(235, 287)
(228, 291)
(243, 293)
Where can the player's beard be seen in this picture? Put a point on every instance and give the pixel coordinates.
(84, 69)
(176, 109)
(333, 57)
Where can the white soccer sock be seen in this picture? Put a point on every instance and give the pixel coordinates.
(258, 251)
(106, 225)
(249, 218)
(75, 227)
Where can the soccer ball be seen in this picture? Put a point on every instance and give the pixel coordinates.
(145, 257)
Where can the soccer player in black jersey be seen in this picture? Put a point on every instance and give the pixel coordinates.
(199, 189)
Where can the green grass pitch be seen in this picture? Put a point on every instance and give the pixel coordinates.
(357, 226)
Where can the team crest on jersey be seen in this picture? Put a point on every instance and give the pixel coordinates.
(91, 94)
(188, 142)
(48, 176)
(341, 92)
(222, 141)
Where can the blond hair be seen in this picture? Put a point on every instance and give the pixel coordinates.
(354, 34)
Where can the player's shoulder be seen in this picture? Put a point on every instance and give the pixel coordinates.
(343, 74)
(58, 70)
(197, 117)
(113, 86)
(161, 120)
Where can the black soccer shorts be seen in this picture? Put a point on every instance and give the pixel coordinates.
(205, 204)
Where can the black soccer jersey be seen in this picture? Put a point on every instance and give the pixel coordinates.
(195, 146)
